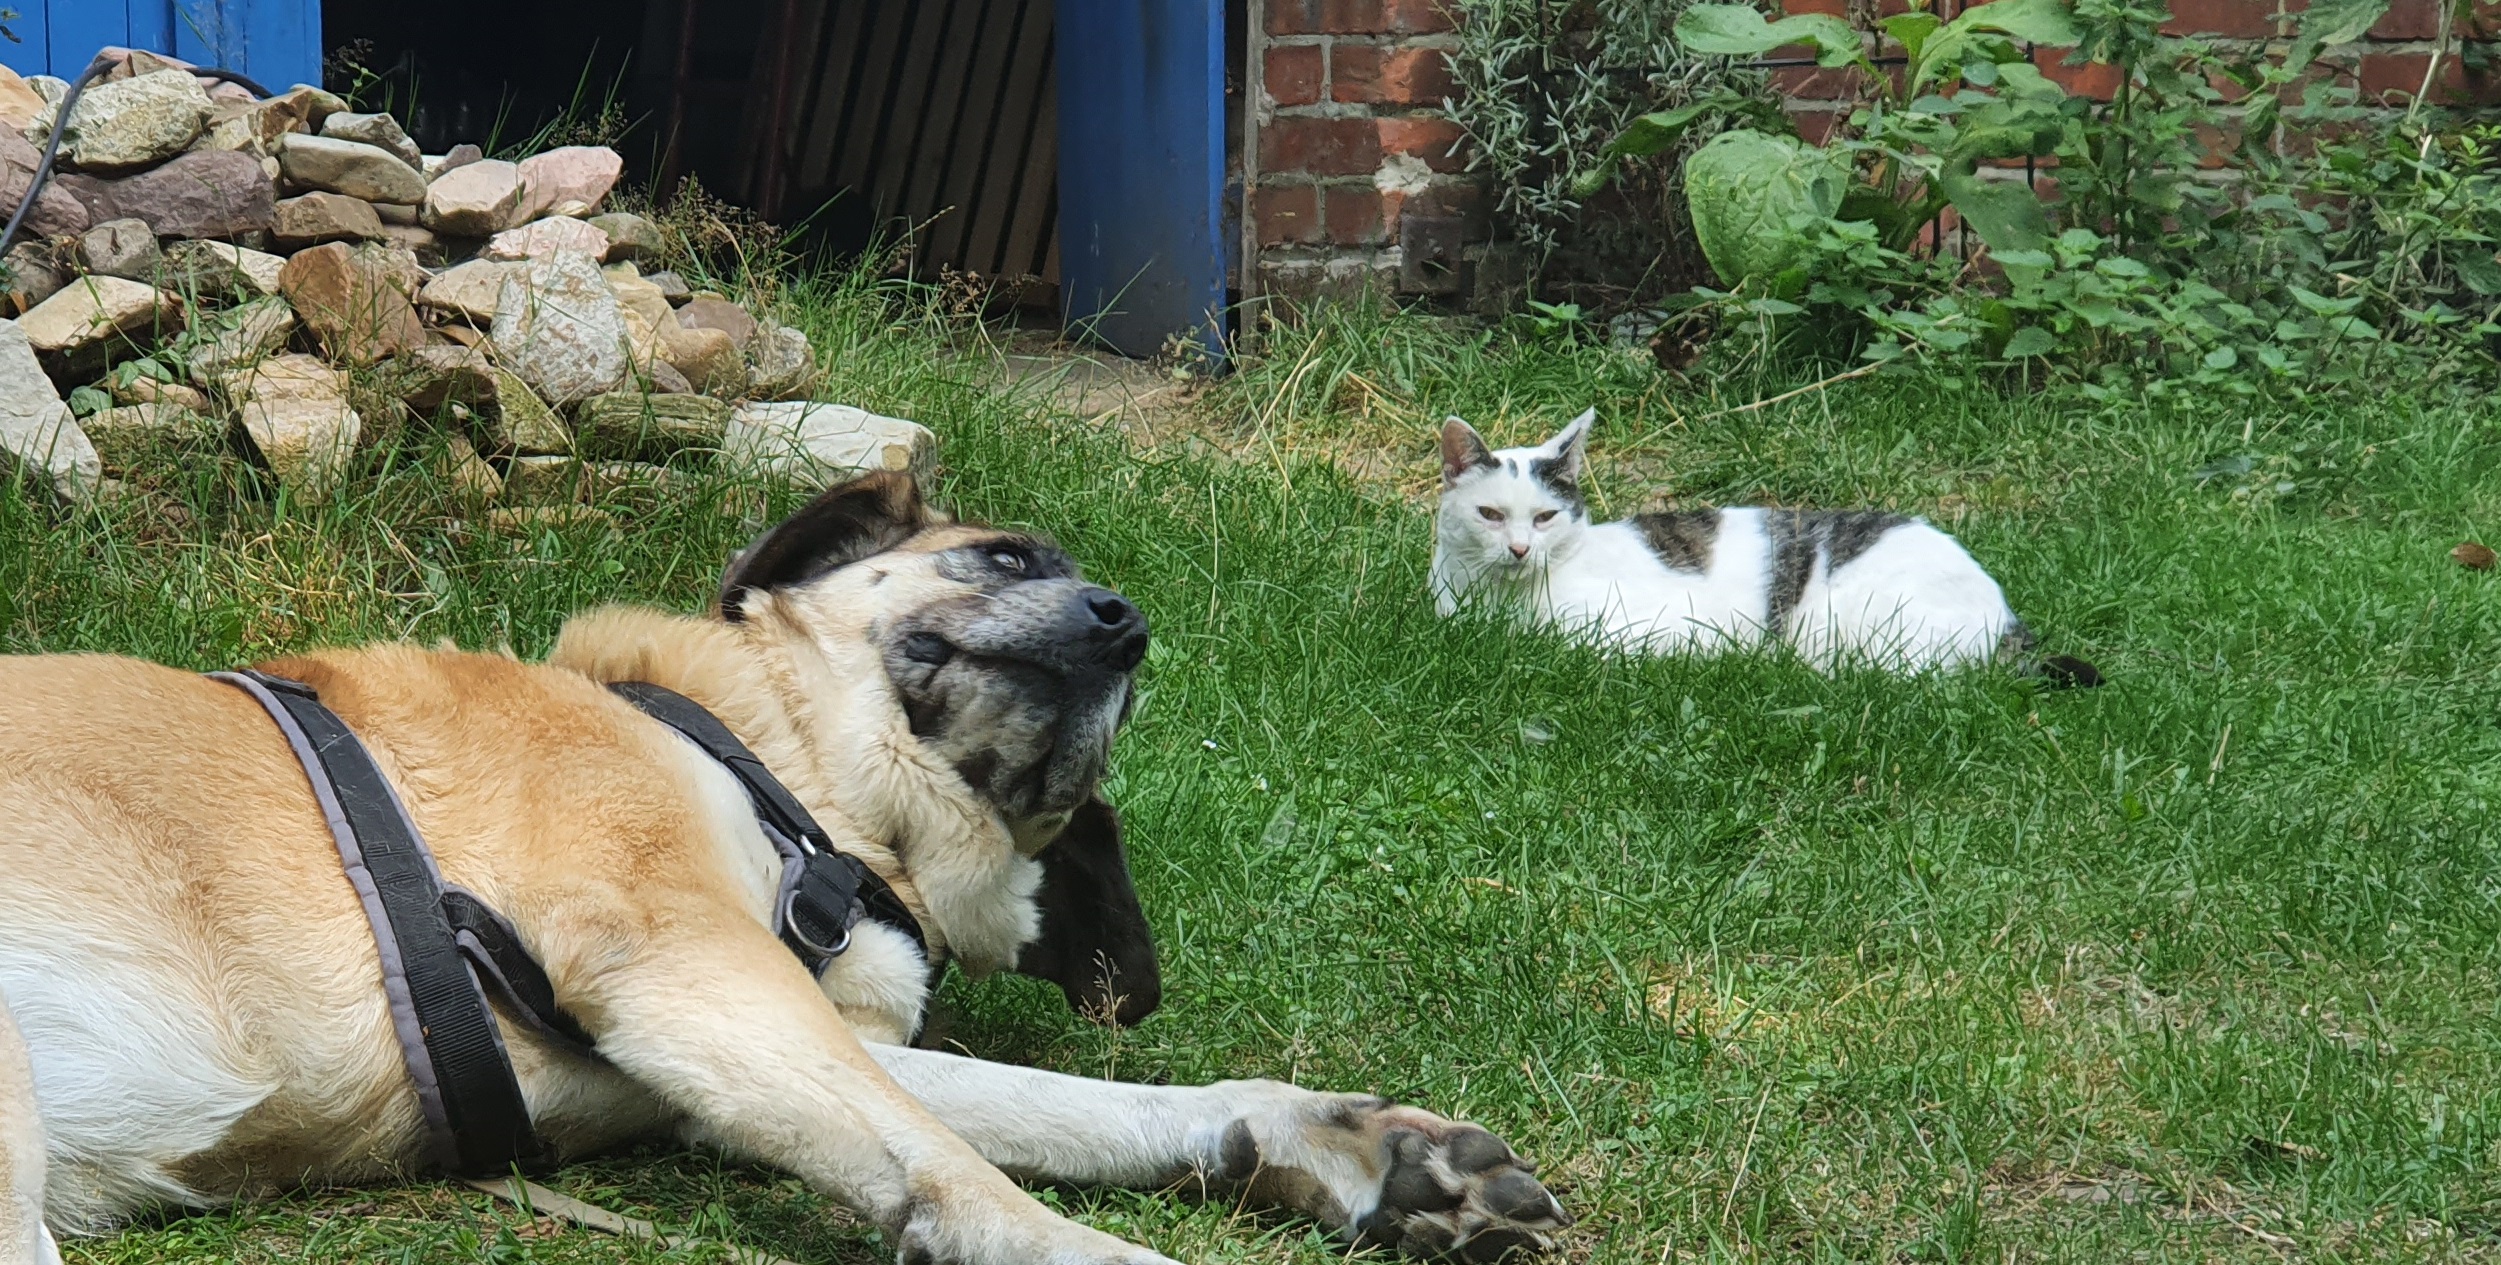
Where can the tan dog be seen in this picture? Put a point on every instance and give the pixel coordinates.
(202, 996)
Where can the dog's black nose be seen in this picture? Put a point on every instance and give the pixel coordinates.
(1111, 610)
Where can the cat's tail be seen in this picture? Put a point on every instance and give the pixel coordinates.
(2058, 671)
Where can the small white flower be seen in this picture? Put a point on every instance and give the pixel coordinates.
(1208, 743)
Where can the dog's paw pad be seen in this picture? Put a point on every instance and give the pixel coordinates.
(1458, 1190)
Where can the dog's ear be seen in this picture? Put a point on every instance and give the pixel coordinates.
(1095, 943)
(868, 515)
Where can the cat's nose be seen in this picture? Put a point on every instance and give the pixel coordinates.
(1519, 550)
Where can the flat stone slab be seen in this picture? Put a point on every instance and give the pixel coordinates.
(815, 444)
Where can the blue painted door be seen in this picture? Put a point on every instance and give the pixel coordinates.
(277, 42)
(1141, 171)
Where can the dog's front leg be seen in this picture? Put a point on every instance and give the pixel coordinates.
(727, 1028)
(1375, 1172)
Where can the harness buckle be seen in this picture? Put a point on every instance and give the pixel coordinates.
(796, 930)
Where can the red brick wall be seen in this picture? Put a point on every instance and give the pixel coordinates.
(1358, 178)
(1357, 184)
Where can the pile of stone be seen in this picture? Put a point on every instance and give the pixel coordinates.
(303, 274)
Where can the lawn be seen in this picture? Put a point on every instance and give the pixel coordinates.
(1758, 963)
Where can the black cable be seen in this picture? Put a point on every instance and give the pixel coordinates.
(60, 123)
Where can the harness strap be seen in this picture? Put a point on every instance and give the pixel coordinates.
(823, 891)
(476, 1119)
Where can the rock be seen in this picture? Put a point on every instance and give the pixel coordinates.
(647, 315)
(664, 379)
(350, 167)
(629, 236)
(209, 194)
(394, 213)
(629, 424)
(781, 365)
(315, 218)
(120, 248)
(436, 376)
(221, 269)
(707, 357)
(471, 478)
(19, 102)
(818, 445)
(542, 479)
(133, 123)
(541, 238)
(351, 304)
(134, 436)
(295, 409)
(704, 312)
(479, 199)
(398, 263)
(460, 336)
(672, 287)
(246, 335)
(378, 130)
(419, 242)
(79, 329)
(256, 127)
(469, 289)
(574, 173)
(35, 274)
(559, 327)
(57, 211)
(457, 157)
(142, 389)
(519, 422)
(36, 428)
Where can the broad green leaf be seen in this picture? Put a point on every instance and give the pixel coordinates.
(1912, 29)
(2480, 272)
(2031, 340)
(1738, 30)
(2005, 213)
(88, 401)
(1746, 189)
(2050, 22)
(2353, 327)
(2328, 22)
(2222, 358)
(2006, 129)
(2023, 259)
(2321, 305)
(2120, 266)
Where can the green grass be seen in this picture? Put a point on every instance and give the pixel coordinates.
(1760, 964)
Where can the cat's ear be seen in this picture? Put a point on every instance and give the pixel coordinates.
(1462, 450)
(1571, 446)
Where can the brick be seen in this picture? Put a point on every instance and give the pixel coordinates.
(1293, 73)
(2389, 78)
(1320, 147)
(1354, 216)
(2409, 20)
(1815, 126)
(1452, 197)
(1390, 75)
(2095, 81)
(1835, 8)
(1817, 83)
(1288, 216)
(1432, 140)
(2234, 19)
(1357, 17)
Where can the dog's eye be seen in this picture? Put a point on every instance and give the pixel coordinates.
(1008, 558)
(1544, 517)
(1489, 513)
(929, 648)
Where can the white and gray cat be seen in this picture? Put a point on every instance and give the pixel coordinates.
(1864, 586)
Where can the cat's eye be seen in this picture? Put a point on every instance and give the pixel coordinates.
(1009, 559)
(1544, 517)
(1489, 513)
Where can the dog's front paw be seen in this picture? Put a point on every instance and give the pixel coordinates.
(1400, 1177)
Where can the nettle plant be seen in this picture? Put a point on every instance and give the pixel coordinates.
(2150, 265)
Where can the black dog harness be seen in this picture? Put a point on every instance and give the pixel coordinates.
(442, 948)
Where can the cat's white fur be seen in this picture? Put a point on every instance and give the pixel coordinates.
(1512, 532)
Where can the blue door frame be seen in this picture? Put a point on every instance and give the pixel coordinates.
(1141, 172)
(277, 42)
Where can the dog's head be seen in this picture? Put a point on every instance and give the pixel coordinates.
(1010, 669)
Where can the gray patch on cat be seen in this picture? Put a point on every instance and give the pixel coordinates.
(1797, 536)
(1549, 472)
(1682, 541)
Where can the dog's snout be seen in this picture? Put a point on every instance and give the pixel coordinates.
(1110, 609)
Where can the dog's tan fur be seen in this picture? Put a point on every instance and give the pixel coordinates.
(165, 859)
